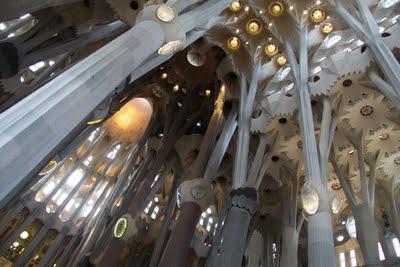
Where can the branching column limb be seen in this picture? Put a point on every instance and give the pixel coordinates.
(320, 238)
(368, 31)
(195, 194)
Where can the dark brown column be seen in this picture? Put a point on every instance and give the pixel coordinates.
(177, 249)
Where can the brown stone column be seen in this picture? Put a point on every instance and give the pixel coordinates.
(177, 248)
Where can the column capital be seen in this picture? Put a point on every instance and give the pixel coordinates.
(167, 18)
(245, 198)
(196, 190)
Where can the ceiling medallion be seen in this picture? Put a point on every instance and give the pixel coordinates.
(317, 15)
(234, 43)
(253, 27)
(275, 9)
(271, 49)
(326, 28)
(384, 136)
(281, 60)
(366, 110)
(165, 13)
(235, 6)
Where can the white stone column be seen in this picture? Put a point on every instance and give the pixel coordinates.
(233, 245)
(320, 237)
(32, 130)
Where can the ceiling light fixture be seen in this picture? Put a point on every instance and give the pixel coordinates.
(165, 13)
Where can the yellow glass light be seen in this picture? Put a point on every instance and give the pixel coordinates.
(253, 27)
(317, 14)
(281, 60)
(164, 75)
(207, 92)
(275, 9)
(175, 88)
(234, 43)
(49, 167)
(235, 6)
(94, 122)
(271, 49)
(326, 27)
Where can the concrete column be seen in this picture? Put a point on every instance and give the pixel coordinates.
(33, 129)
(320, 237)
(14, 9)
(71, 45)
(290, 240)
(233, 242)
(367, 234)
(195, 197)
(320, 241)
(162, 237)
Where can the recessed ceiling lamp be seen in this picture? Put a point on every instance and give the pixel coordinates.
(326, 28)
(164, 75)
(275, 9)
(317, 15)
(281, 60)
(175, 88)
(271, 49)
(165, 13)
(366, 110)
(235, 6)
(384, 136)
(253, 26)
(234, 43)
(170, 47)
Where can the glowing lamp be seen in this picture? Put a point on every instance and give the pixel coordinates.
(281, 60)
(326, 28)
(271, 49)
(235, 6)
(275, 9)
(234, 43)
(253, 27)
(317, 15)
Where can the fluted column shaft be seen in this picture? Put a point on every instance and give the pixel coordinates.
(32, 130)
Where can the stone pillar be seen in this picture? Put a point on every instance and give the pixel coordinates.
(320, 237)
(195, 196)
(233, 242)
(33, 129)
(367, 234)
(290, 242)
